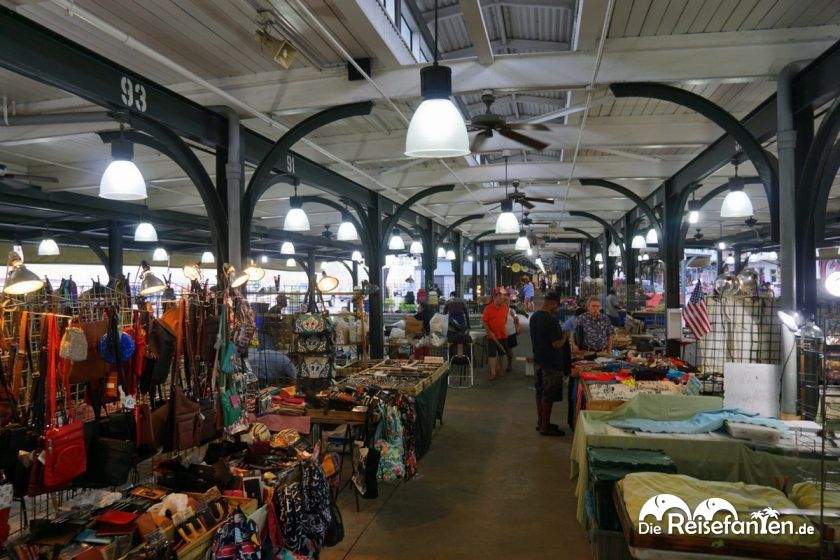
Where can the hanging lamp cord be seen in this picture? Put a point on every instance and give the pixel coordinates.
(436, 33)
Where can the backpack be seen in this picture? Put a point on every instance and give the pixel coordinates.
(236, 538)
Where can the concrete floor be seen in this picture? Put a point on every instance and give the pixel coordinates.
(490, 487)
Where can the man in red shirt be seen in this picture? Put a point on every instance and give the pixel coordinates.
(494, 319)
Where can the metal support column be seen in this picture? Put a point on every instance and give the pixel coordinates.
(375, 262)
(311, 270)
(115, 251)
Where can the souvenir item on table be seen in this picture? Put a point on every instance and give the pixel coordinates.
(236, 538)
(285, 439)
(316, 367)
(312, 323)
(92, 368)
(74, 344)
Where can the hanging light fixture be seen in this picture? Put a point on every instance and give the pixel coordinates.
(207, 258)
(470, 258)
(722, 245)
(651, 238)
(639, 258)
(160, 255)
(291, 263)
(832, 284)
(122, 180)
(730, 260)
(234, 280)
(255, 272)
(441, 252)
(192, 271)
(19, 279)
(327, 283)
(145, 233)
(522, 242)
(437, 128)
(149, 283)
(599, 257)
(614, 250)
(264, 259)
(48, 248)
(346, 231)
(737, 203)
(416, 248)
(507, 223)
(287, 248)
(450, 254)
(296, 219)
(529, 251)
(645, 257)
(356, 256)
(396, 242)
(638, 242)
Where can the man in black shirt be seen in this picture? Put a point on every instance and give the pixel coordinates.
(547, 339)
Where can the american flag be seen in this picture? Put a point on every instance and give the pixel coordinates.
(695, 315)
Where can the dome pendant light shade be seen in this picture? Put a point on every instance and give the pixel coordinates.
(693, 217)
(645, 257)
(356, 257)
(160, 255)
(522, 243)
(150, 284)
(396, 242)
(737, 204)
(122, 180)
(614, 250)
(470, 258)
(416, 248)
(290, 263)
(20, 280)
(296, 219)
(651, 238)
(145, 233)
(450, 255)
(207, 258)
(599, 257)
(48, 248)
(507, 223)
(441, 253)
(638, 242)
(722, 245)
(346, 231)
(287, 248)
(437, 128)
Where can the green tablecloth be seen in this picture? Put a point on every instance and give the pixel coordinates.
(429, 404)
(707, 456)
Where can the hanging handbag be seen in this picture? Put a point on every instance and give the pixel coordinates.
(74, 345)
(185, 421)
(316, 367)
(64, 455)
(244, 325)
(8, 401)
(160, 352)
(92, 368)
(231, 407)
(312, 323)
(312, 344)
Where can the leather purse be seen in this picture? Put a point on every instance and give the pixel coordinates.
(312, 344)
(316, 367)
(74, 346)
(312, 323)
(185, 421)
(209, 431)
(8, 401)
(92, 368)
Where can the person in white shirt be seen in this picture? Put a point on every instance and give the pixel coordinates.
(510, 331)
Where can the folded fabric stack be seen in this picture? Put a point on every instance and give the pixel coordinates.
(285, 404)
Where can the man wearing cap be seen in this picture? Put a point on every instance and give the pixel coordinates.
(548, 341)
(494, 319)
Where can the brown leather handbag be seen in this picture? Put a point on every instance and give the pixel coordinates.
(94, 367)
(186, 423)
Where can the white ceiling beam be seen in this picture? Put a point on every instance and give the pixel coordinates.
(626, 154)
(571, 109)
(521, 98)
(455, 10)
(372, 27)
(517, 44)
(477, 30)
(714, 57)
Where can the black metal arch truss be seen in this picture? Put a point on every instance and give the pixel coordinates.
(460, 222)
(624, 191)
(607, 226)
(391, 222)
(767, 169)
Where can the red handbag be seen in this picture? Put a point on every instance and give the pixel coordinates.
(64, 456)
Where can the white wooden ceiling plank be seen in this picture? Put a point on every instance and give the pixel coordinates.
(757, 14)
(637, 18)
(327, 15)
(621, 12)
(773, 19)
(721, 16)
(793, 13)
(687, 18)
(739, 15)
(701, 21)
(657, 11)
(672, 15)
(807, 14)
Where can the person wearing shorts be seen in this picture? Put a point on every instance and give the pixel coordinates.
(494, 319)
(548, 339)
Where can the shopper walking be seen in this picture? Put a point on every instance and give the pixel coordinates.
(529, 296)
(594, 330)
(547, 340)
(512, 328)
(494, 319)
(612, 305)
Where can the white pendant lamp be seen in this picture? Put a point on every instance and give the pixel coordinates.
(207, 258)
(160, 255)
(507, 223)
(416, 248)
(322, 266)
(614, 250)
(450, 255)
(651, 238)
(235, 280)
(638, 242)
(529, 251)
(737, 204)
(264, 259)
(287, 248)
(470, 258)
(290, 263)
(346, 231)
(730, 260)
(356, 257)
(441, 253)
(722, 245)
(145, 233)
(522, 242)
(437, 128)
(19, 279)
(122, 180)
(48, 248)
(645, 257)
(396, 242)
(599, 257)
(639, 258)
(296, 219)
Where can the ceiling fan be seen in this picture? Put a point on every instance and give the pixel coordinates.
(327, 234)
(14, 179)
(523, 199)
(528, 222)
(489, 122)
(699, 235)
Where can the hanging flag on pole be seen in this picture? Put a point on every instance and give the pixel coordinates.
(695, 315)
